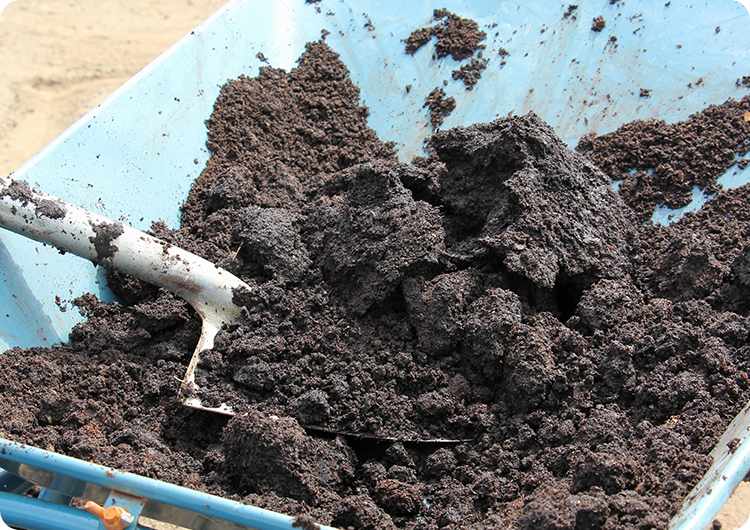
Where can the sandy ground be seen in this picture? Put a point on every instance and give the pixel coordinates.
(61, 58)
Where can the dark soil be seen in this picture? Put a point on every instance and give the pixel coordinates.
(470, 73)
(497, 293)
(570, 13)
(660, 163)
(439, 106)
(456, 36)
(460, 38)
(504, 54)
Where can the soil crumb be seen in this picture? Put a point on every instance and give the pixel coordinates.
(458, 37)
(496, 293)
(570, 13)
(470, 73)
(504, 54)
(439, 106)
(305, 522)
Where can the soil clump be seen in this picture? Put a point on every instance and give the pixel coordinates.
(660, 163)
(456, 36)
(497, 292)
(459, 38)
(439, 106)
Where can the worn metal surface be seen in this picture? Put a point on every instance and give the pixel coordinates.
(115, 245)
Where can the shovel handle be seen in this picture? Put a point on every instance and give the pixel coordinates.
(112, 244)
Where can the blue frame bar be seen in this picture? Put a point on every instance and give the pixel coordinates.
(165, 502)
(34, 514)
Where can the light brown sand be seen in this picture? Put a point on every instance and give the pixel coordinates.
(59, 59)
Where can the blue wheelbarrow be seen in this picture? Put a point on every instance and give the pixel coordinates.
(153, 125)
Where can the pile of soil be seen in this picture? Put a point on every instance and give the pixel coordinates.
(485, 338)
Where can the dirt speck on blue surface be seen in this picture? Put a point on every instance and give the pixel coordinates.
(470, 73)
(496, 292)
(598, 24)
(570, 13)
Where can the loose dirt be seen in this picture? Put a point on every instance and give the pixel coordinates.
(660, 163)
(439, 106)
(497, 292)
(456, 36)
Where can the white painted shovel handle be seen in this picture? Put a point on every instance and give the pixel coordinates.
(112, 244)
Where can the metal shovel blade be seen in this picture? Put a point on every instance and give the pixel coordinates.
(112, 244)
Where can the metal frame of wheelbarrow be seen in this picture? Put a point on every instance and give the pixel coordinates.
(64, 478)
(153, 125)
(730, 465)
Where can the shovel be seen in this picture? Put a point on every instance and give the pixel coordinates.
(112, 244)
